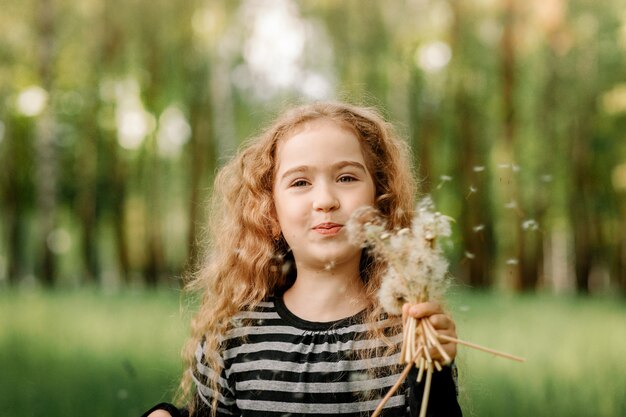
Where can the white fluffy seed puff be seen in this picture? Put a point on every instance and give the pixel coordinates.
(417, 271)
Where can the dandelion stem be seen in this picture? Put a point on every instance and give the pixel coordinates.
(432, 334)
(479, 347)
(429, 377)
(420, 374)
(393, 389)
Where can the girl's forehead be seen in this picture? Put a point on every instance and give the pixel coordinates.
(310, 135)
(317, 123)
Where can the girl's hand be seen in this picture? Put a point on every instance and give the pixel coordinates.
(443, 324)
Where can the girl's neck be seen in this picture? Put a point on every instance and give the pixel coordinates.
(326, 295)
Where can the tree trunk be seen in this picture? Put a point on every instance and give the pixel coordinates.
(202, 157)
(15, 209)
(580, 214)
(475, 218)
(475, 215)
(47, 163)
(514, 249)
(112, 41)
(88, 196)
(423, 134)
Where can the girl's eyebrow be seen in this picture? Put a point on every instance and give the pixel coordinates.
(338, 165)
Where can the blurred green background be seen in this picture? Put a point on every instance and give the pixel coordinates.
(114, 116)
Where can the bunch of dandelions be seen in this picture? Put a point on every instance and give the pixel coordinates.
(417, 271)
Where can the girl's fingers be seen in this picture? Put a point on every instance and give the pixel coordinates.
(441, 322)
(450, 349)
(421, 310)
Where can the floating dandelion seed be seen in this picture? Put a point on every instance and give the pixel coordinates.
(546, 178)
(472, 190)
(478, 228)
(479, 168)
(504, 166)
(530, 224)
(515, 168)
(444, 179)
(285, 267)
(512, 261)
(122, 394)
(511, 205)
(469, 255)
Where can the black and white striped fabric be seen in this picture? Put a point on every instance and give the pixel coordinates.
(276, 364)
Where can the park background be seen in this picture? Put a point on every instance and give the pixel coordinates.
(114, 116)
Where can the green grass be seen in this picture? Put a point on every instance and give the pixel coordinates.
(77, 353)
(574, 348)
(85, 353)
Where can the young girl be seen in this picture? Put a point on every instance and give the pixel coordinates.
(290, 323)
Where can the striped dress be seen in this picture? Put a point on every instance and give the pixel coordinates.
(276, 364)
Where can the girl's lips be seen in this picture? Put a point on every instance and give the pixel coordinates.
(328, 229)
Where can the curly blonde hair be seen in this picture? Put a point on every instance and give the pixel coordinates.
(244, 262)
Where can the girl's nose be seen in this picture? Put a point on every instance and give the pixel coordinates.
(325, 200)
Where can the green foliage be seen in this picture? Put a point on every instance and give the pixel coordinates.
(89, 163)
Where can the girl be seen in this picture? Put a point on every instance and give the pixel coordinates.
(290, 323)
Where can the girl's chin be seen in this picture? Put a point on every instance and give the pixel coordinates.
(333, 260)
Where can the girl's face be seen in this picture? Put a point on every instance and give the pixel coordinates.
(321, 178)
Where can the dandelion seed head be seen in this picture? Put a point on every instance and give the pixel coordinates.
(417, 269)
(393, 294)
(363, 222)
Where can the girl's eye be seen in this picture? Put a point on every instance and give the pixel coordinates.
(346, 178)
(300, 183)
